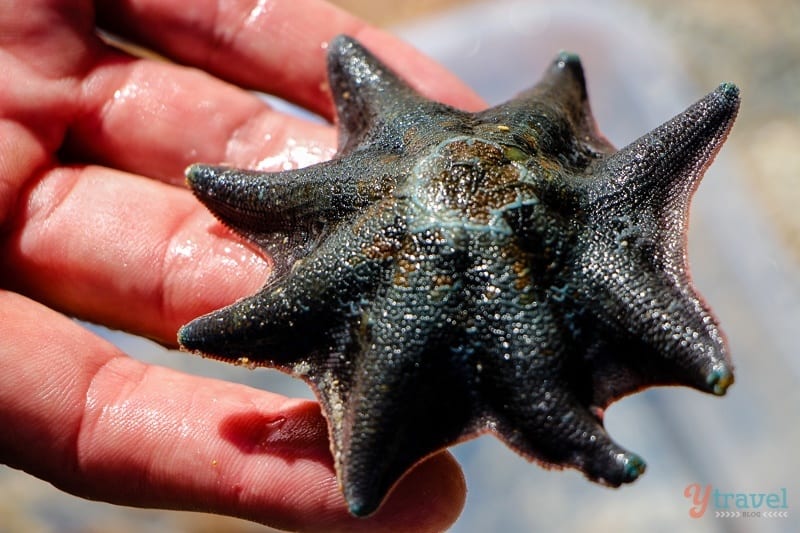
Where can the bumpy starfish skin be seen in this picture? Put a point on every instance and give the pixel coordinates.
(453, 273)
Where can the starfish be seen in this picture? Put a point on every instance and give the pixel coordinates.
(449, 274)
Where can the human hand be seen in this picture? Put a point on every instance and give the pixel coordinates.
(95, 223)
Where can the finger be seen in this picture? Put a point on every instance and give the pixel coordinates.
(125, 251)
(277, 46)
(155, 119)
(21, 153)
(152, 118)
(107, 427)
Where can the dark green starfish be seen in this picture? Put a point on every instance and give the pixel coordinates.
(452, 273)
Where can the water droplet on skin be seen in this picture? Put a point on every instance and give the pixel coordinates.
(127, 92)
(186, 249)
(295, 155)
(258, 12)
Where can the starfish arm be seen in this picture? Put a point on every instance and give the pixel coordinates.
(679, 341)
(646, 327)
(616, 368)
(672, 338)
(660, 171)
(563, 86)
(286, 213)
(290, 318)
(633, 264)
(374, 106)
(530, 390)
(409, 399)
(557, 114)
(255, 202)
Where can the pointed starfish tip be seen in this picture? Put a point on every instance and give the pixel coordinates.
(188, 338)
(184, 336)
(342, 45)
(359, 507)
(567, 59)
(719, 380)
(728, 89)
(633, 466)
(568, 63)
(726, 98)
(198, 175)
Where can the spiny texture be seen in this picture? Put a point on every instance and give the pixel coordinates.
(453, 273)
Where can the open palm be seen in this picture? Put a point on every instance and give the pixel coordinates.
(95, 223)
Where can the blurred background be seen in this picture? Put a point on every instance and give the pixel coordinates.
(645, 61)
